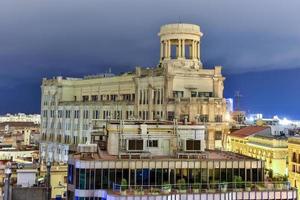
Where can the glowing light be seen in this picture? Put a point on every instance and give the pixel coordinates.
(284, 121)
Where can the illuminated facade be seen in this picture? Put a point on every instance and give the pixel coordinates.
(294, 161)
(257, 142)
(177, 88)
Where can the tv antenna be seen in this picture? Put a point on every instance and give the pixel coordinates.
(237, 96)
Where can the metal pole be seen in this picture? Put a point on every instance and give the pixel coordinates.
(48, 181)
(7, 182)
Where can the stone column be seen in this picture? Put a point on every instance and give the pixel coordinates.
(165, 49)
(161, 51)
(179, 49)
(183, 48)
(191, 51)
(169, 49)
(198, 49)
(195, 50)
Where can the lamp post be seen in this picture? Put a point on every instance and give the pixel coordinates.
(48, 197)
(7, 172)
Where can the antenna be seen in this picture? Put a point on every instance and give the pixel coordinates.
(237, 96)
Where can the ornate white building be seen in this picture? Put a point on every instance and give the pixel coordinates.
(178, 88)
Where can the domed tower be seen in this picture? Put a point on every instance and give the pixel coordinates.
(180, 44)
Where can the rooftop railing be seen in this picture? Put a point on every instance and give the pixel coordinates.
(183, 188)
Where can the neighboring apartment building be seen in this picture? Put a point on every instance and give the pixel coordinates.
(58, 180)
(294, 161)
(258, 142)
(178, 88)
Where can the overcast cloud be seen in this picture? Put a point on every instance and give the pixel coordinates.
(43, 38)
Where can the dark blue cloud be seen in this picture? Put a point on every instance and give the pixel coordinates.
(71, 37)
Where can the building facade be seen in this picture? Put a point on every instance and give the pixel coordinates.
(258, 142)
(177, 88)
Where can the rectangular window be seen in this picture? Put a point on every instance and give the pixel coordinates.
(94, 97)
(85, 114)
(136, 145)
(45, 113)
(113, 97)
(204, 94)
(193, 145)
(218, 118)
(76, 114)
(152, 143)
(95, 114)
(141, 96)
(85, 98)
(218, 135)
(60, 113)
(177, 94)
(193, 94)
(158, 96)
(68, 113)
(203, 118)
(52, 113)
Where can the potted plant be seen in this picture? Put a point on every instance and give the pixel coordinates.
(223, 187)
(139, 191)
(196, 187)
(248, 187)
(166, 188)
(181, 185)
(124, 186)
(239, 183)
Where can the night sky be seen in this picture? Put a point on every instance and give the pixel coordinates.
(256, 41)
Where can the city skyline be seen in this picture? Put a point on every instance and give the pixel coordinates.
(259, 53)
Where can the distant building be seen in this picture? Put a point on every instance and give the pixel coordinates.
(19, 133)
(258, 142)
(238, 117)
(21, 117)
(178, 88)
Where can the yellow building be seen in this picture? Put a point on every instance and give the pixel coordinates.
(58, 179)
(258, 142)
(294, 161)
